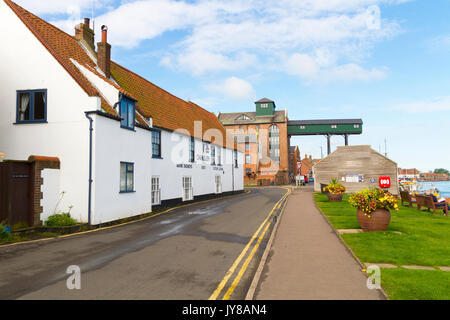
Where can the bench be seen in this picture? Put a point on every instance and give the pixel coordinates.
(406, 197)
(429, 203)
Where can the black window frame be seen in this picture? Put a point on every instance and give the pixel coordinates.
(126, 177)
(31, 102)
(213, 155)
(159, 155)
(192, 150)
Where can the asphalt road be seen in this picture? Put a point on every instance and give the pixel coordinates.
(183, 254)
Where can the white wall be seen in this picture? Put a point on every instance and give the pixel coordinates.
(51, 194)
(112, 145)
(175, 152)
(26, 64)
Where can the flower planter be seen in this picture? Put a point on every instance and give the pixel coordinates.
(379, 220)
(335, 197)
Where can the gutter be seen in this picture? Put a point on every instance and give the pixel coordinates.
(87, 114)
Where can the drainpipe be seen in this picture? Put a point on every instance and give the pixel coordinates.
(90, 167)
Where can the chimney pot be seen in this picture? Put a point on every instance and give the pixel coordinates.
(104, 34)
(104, 53)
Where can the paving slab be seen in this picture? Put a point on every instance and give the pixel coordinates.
(308, 261)
(445, 268)
(418, 268)
(381, 265)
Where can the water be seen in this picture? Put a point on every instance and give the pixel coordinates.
(442, 186)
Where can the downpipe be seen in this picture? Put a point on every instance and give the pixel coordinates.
(90, 167)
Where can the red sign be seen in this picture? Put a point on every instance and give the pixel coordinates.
(299, 165)
(385, 182)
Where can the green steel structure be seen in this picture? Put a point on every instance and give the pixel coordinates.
(329, 127)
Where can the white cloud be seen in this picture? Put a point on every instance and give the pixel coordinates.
(216, 36)
(319, 69)
(235, 88)
(69, 7)
(438, 104)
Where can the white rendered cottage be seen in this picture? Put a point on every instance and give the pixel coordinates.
(140, 145)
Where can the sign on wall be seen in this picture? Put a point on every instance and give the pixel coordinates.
(385, 182)
(353, 177)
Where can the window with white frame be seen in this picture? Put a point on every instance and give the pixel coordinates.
(188, 193)
(264, 105)
(274, 143)
(156, 191)
(247, 146)
(334, 126)
(218, 180)
(356, 126)
(248, 159)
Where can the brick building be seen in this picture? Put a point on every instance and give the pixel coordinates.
(294, 158)
(262, 136)
(430, 176)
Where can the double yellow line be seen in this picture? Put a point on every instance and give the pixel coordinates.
(265, 224)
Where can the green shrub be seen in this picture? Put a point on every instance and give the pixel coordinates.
(60, 220)
(4, 235)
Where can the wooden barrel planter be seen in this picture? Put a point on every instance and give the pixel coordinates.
(335, 197)
(379, 220)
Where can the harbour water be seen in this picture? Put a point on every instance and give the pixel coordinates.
(442, 186)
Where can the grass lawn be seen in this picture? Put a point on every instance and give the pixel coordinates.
(424, 241)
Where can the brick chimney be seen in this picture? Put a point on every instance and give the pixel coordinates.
(104, 53)
(84, 33)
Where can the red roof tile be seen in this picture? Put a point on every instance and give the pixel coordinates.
(167, 110)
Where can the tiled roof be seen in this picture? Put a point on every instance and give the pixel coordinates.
(232, 118)
(263, 100)
(167, 110)
(63, 47)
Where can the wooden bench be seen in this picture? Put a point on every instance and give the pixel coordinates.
(406, 197)
(427, 202)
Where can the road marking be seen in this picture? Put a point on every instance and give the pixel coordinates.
(121, 224)
(233, 267)
(248, 260)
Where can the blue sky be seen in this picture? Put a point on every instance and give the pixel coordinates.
(385, 61)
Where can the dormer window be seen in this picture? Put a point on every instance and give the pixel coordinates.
(127, 113)
(244, 117)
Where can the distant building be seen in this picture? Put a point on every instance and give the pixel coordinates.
(294, 159)
(356, 168)
(262, 136)
(408, 174)
(430, 176)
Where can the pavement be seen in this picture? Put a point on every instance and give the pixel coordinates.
(183, 254)
(307, 260)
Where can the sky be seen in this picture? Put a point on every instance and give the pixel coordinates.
(384, 61)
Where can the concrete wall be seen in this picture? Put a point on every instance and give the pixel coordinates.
(65, 135)
(351, 161)
(112, 145)
(175, 164)
(51, 194)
